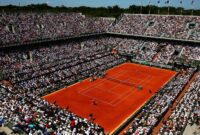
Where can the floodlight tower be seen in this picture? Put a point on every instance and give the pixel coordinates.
(167, 2)
(149, 4)
(141, 5)
(158, 6)
(192, 4)
(181, 2)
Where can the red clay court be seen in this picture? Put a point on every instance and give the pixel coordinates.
(117, 95)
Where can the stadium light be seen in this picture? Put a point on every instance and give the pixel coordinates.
(141, 5)
(149, 6)
(181, 2)
(158, 6)
(167, 2)
(192, 4)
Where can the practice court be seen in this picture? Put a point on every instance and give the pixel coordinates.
(116, 96)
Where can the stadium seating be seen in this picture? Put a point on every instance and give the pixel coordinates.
(30, 114)
(38, 68)
(154, 110)
(185, 112)
(165, 26)
(38, 71)
(26, 27)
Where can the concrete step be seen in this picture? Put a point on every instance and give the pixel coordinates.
(6, 130)
(192, 130)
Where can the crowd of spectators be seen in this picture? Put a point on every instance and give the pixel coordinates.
(41, 70)
(155, 51)
(32, 115)
(191, 52)
(26, 27)
(23, 64)
(131, 24)
(154, 110)
(148, 51)
(167, 26)
(38, 71)
(168, 53)
(186, 112)
(34, 72)
(45, 68)
(128, 46)
(38, 67)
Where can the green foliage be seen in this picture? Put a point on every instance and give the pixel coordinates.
(109, 11)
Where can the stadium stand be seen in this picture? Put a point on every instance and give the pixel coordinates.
(30, 114)
(26, 27)
(166, 26)
(39, 70)
(186, 112)
(154, 110)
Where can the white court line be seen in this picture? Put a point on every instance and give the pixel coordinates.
(115, 104)
(97, 99)
(122, 99)
(110, 89)
(118, 84)
(146, 79)
(146, 84)
(142, 80)
(124, 95)
(85, 93)
(100, 82)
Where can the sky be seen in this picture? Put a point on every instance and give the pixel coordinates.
(104, 3)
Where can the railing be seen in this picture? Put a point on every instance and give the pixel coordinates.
(152, 64)
(51, 39)
(156, 38)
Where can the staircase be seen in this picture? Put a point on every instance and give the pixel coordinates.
(190, 32)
